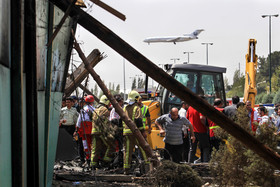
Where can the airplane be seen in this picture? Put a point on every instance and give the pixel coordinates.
(174, 39)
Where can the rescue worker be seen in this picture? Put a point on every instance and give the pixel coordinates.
(102, 136)
(134, 113)
(84, 126)
(146, 116)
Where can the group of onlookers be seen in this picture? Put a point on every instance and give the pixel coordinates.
(100, 130)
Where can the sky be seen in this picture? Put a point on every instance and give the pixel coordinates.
(228, 24)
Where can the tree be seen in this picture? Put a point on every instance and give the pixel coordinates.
(113, 86)
(95, 91)
(238, 85)
(118, 88)
(275, 80)
(276, 98)
(110, 86)
(226, 84)
(268, 98)
(133, 84)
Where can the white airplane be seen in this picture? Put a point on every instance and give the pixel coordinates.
(174, 39)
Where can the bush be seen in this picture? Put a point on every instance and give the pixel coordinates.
(268, 98)
(276, 98)
(173, 174)
(236, 165)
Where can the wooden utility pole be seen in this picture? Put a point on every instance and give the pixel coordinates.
(138, 135)
(145, 65)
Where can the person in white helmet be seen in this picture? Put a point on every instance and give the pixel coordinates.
(134, 113)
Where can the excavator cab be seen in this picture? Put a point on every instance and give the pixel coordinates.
(200, 79)
(203, 80)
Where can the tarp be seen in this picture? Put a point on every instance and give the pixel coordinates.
(67, 148)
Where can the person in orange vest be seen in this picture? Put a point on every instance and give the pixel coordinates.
(253, 115)
(84, 125)
(214, 141)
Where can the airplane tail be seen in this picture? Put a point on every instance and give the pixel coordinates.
(196, 32)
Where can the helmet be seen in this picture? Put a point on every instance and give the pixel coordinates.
(74, 97)
(89, 99)
(104, 100)
(133, 96)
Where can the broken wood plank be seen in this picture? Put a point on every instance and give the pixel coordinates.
(81, 73)
(71, 176)
(145, 65)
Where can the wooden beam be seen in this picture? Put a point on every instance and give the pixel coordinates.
(109, 9)
(89, 92)
(145, 65)
(81, 73)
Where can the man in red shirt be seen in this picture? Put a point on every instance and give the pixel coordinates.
(201, 135)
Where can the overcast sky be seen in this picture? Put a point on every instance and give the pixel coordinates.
(229, 24)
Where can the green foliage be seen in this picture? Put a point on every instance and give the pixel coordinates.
(238, 85)
(173, 174)
(235, 165)
(275, 80)
(268, 98)
(276, 98)
(226, 84)
(263, 72)
(259, 98)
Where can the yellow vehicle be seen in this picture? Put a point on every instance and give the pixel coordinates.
(201, 79)
(250, 90)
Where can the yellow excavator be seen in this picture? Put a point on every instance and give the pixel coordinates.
(250, 90)
(201, 79)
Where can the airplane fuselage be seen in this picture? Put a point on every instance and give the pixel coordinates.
(174, 39)
(169, 39)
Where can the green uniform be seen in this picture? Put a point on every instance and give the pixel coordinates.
(134, 113)
(100, 122)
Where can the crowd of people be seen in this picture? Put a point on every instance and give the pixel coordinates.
(100, 132)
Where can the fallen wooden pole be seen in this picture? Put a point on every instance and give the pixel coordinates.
(138, 135)
(89, 92)
(144, 64)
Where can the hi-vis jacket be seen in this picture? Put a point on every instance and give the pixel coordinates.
(100, 115)
(134, 113)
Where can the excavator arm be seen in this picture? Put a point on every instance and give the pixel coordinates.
(250, 90)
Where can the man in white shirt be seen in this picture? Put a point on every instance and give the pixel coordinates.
(68, 117)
